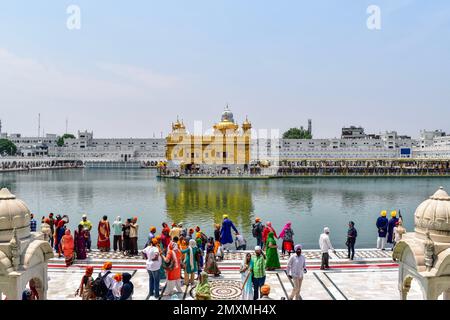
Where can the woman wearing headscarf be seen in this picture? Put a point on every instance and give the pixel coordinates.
(162, 251)
(33, 289)
(59, 233)
(104, 230)
(216, 237)
(287, 234)
(67, 247)
(199, 255)
(203, 289)
(85, 289)
(80, 243)
(191, 262)
(165, 238)
(172, 260)
(117, 237)
(211, 264)
(246, 277)
(267, 229)
(273, 261)
(182, 245)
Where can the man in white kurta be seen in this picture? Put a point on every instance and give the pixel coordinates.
(325, 247)
(295, 269)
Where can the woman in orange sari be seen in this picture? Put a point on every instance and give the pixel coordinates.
(67, 246)
(173, 259)
(216, 237)
(104, 230)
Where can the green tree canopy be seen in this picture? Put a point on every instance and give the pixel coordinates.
(7, 147)
(297, 133)
(60, 141)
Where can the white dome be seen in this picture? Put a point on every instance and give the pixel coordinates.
(434, 215)
(14, 213)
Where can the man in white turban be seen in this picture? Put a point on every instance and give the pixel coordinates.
(325, 247)
(295, 269)
(258, 271)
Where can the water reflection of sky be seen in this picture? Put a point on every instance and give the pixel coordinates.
(310, 203)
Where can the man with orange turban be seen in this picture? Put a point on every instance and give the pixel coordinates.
(85, 288)
(108, 280)
(151, 235)
(265, 291)
(117, 286)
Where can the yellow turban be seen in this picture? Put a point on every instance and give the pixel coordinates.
(225, 216)
(153, 229)
(265, 289)
(393, 214)
(107, 265)
(383, 213)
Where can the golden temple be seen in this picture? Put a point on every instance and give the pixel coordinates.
(227, 147)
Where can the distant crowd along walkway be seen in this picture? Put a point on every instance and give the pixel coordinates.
(312, 256)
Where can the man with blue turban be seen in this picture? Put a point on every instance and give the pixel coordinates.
(225, 233)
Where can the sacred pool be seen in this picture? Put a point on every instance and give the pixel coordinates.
(309, 203)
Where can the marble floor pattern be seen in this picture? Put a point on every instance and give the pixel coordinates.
(368, 284)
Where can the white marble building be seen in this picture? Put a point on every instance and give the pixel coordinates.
(86, 147)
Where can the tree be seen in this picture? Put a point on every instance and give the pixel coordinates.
(297, 133)
(7, 147)
(60, 141)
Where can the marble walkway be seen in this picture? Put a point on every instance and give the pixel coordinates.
(371, 276)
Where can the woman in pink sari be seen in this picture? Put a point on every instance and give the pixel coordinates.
(104, 230)
(288, 239)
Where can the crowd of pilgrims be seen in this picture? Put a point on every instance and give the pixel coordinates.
(175, 254)
(182, 256)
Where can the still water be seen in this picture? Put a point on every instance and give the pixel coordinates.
(310, 203)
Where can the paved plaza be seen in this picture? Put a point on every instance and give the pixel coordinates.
(371, 276)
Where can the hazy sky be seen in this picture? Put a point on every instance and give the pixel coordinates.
(135, 65)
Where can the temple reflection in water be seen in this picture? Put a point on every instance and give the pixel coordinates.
(207, 201)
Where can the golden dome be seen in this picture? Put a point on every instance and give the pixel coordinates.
(226, 125)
